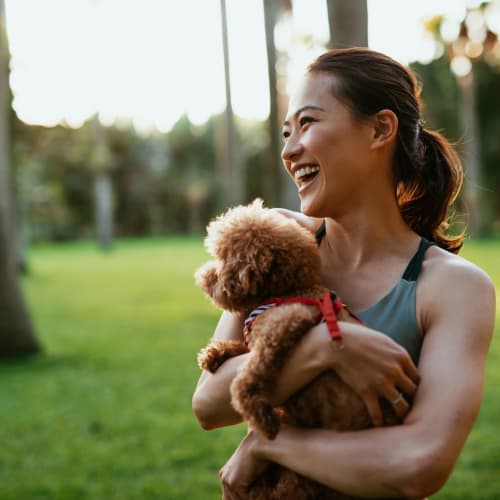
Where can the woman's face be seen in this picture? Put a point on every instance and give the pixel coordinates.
(326, 150)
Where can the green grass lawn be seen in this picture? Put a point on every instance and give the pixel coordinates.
(105, 412)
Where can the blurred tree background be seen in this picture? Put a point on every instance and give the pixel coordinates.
(105, 211)
(174, 183)
(112, 181)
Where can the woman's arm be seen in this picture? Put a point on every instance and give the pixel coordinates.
(414, 459)
(211, 399)
(371, 363)
(383, 366)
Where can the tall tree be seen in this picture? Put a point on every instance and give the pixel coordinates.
(16, 332)
(281, 190)
(471, 154)
(100, 159)
(475, 42)
(231, 162)
(274, 184)
(348, 21)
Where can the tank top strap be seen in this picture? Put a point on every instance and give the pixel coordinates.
(320, 233)
(413, 269)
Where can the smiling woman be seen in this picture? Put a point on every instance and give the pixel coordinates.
(381, 184)
(331, 135)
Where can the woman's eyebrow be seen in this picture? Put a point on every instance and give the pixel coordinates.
(303, 108)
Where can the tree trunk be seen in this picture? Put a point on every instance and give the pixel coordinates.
(471, 155)
(273, 183)
(230, 169)
(103, 202)
(16, 332)
(100, 160)
(348, 21)
(281, 189)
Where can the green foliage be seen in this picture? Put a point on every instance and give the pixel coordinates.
(105, 413)
(163, 183)
(440, 95)
(442, 111)
(488, 83)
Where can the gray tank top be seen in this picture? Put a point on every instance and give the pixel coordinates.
(395, 314)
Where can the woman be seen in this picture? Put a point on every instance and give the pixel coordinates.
(382, 185)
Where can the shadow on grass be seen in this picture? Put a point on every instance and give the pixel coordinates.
(43, 361)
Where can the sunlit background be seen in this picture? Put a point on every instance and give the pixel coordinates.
(151, 61)
(125, 131)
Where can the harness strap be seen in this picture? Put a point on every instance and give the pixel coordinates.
(328, 310)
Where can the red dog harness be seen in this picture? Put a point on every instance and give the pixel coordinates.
(328, 310)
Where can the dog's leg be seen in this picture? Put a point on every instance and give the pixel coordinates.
(217, 351)
(274, 334)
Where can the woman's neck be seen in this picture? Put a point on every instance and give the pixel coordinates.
(360, 238)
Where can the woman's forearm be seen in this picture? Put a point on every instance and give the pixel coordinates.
(212, 400)
(381, 462)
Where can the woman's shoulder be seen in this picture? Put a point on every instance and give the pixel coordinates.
(450, 282)
(441, 266)
(311, 223)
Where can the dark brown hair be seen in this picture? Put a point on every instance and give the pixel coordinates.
(427, 170)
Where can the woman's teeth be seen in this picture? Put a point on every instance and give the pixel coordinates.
(302, 172)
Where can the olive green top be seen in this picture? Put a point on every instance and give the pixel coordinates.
(395, 314)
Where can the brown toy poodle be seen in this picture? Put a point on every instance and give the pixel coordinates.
(261, 254)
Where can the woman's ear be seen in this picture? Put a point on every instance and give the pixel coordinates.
(385, 128)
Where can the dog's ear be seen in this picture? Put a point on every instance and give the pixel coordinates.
(206, 277)
(249, 280)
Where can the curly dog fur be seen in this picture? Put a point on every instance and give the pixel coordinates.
(260, 253)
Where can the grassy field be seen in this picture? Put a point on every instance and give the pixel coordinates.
(105, 412)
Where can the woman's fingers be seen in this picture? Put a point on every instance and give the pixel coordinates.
(411, 370)
(399, 403)
(373, 406)
(407, 386)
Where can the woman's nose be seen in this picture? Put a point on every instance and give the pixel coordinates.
(291, 149)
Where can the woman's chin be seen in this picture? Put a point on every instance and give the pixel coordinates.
(309, 208)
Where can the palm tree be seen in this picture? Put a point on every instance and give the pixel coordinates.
(16, 332)
(100, 162)
(348, 21)
(281, 190)
(462, 54)
(230, 162)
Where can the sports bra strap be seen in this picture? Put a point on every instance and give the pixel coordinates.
(320, 233)
(413, 269)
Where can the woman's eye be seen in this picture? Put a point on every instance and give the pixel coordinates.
(285, 134)
(305, 120)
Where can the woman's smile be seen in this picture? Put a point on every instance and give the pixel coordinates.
(304, 175)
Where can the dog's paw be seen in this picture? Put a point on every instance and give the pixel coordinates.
(218, 351)
(210, 358)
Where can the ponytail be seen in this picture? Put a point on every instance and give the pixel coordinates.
(428, 182)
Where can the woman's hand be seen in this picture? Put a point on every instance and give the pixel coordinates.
(242, 469)
(375, 366)
(371, 363)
